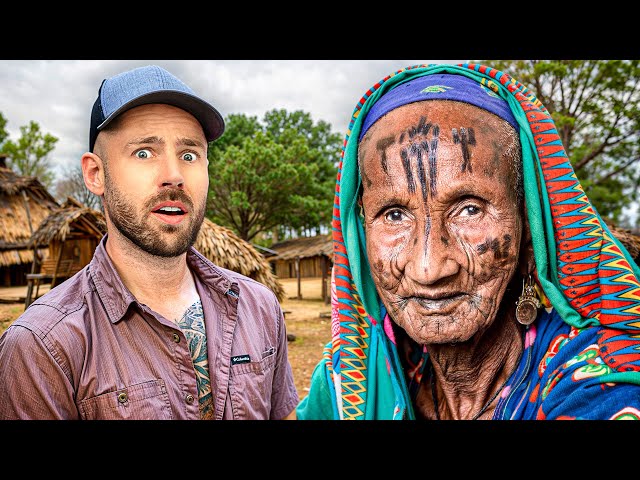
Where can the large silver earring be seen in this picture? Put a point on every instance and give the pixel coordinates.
(528, 303)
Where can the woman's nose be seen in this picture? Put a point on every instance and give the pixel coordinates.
(431, 257)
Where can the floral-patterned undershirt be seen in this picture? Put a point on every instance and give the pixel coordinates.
(192, 325)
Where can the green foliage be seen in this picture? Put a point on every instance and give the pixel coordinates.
(29, 155)
(3, 132)
(279, 173)
(596, 107)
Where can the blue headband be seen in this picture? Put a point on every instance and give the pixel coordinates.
(443, 86)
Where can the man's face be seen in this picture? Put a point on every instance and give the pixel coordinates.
(442, 223)
(156, 178)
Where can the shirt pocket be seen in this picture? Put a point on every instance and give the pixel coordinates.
(141, 401)
(250, 388)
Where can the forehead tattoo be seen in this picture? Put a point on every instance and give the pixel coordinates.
(418, 148)
(465, 138)
(381, 147)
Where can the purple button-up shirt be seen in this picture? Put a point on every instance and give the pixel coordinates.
(89, 350)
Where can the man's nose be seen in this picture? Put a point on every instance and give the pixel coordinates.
(171, 172)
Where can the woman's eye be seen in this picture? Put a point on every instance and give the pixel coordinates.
(394, 216)
(189, 157)
(144, 153)
(470, 210)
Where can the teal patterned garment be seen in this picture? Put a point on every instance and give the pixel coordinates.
(192, 324)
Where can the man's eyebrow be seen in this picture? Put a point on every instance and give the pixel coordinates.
(153, 140)
(186, 141)
(190, 142)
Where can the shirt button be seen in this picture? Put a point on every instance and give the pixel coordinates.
(189, 398)
(176, 338)
(123, 397)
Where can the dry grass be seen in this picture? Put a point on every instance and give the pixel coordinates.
(312, 332)
(8, 313)
(303, 320)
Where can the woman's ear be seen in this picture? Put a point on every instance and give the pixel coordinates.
(527, 259)
(93, 173)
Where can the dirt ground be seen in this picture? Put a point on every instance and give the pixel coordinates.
(306, 320)
(303, 319)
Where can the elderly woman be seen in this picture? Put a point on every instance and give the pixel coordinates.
(472, 277)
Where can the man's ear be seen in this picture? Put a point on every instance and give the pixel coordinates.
(93, 173)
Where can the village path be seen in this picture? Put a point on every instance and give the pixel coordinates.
(18, 294)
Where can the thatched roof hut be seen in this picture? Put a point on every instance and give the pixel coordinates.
(72, 232)
(313, 255)
(66, 220)
(224, 248)
(24, 204)
(304, 257)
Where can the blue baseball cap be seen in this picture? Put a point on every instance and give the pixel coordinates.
(150, 84)
(444, 86)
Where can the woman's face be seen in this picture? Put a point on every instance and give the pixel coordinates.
(442, 221)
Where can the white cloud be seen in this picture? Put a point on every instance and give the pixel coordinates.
(59, 94)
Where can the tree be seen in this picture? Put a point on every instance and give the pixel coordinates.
(596, 108)
(3, 132)
(276, 174)
(29, 155)
(71, 184)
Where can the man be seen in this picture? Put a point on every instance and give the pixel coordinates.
(150, 329)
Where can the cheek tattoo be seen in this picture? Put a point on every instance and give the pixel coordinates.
(500, 251)
(465, 138)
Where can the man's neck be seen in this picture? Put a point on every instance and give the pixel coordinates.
(164, 284)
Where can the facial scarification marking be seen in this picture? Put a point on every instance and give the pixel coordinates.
(433, 169)
(406, 163)
(422, 128)
(465, 138)
(416, 150)
(365, 179)
(500, 251)
(427, 231)
(382, 146)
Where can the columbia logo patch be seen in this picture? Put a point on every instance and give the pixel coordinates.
(240, 359)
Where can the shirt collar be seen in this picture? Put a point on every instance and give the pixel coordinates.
(116, 297)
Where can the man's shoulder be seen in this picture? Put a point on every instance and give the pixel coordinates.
(65, 302)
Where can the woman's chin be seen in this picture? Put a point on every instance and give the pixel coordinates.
(436, 328)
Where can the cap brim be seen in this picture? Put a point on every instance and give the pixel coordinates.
(210, 119)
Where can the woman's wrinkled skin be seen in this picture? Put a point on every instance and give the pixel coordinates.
(445, 233)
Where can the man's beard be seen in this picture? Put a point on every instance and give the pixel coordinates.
(123, 215)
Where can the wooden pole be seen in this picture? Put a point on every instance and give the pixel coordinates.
(27, 300)
(298, 276)
(323, 263)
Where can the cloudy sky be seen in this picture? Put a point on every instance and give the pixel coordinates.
(59, 94)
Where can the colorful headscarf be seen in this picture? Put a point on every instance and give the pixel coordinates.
(585, 272)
